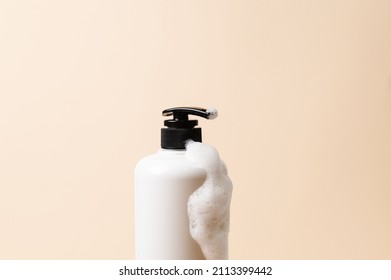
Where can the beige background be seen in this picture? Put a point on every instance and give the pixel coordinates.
(304, 94)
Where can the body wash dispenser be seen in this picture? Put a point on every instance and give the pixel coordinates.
(163, 183)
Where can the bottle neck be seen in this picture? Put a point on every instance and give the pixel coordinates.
(175, 138)
(172, 151)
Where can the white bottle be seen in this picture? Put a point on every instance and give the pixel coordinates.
(163, 183)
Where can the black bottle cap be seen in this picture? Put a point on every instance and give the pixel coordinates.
(180, 128)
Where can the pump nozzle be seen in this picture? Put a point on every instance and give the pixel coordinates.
(180, 128)
(183, 112)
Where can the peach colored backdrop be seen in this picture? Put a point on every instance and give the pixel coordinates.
(304, 94)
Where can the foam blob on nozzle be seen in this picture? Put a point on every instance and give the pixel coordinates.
(212, 113)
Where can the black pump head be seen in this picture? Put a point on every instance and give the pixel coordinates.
(180, 128)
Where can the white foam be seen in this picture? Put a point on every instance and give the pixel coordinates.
(208, 207)
(212, 113)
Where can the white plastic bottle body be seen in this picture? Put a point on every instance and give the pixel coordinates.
(163, 183)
